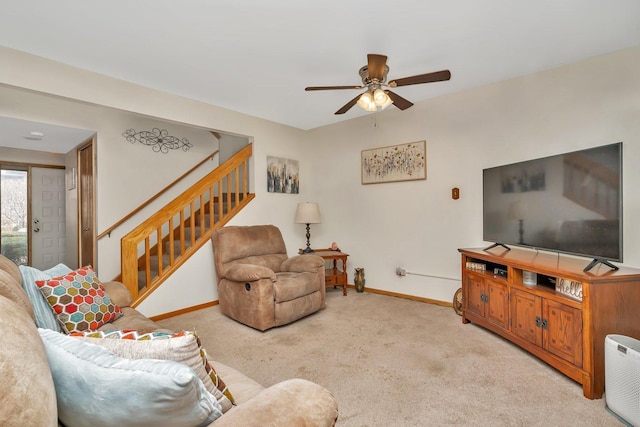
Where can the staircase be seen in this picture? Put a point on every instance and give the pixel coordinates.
(160, 245)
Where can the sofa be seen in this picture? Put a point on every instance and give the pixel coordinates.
(259, 285)
(30, 394)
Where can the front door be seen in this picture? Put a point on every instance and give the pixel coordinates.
(47, 217)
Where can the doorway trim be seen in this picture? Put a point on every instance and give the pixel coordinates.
(86, 196)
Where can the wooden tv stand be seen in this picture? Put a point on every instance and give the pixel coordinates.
(566, 330)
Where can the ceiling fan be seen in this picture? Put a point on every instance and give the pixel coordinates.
(374, 79)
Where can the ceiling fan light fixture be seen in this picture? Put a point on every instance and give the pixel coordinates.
(374, 100)
(374, 78)
(381, 99)
(366, 102)
(379, 96)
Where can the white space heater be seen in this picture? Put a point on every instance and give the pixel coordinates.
(622, 378)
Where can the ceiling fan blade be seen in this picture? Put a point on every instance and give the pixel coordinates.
(348, 105)
(438, 76)
(399, 101)
(331, 87)
(375, 66)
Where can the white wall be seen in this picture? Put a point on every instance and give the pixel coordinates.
(34, 88)
(415, 224)
(126, 174)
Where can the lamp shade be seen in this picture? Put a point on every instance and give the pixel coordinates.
(308, 213)
(515, 210)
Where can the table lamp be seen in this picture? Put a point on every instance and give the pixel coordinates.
(308, 213)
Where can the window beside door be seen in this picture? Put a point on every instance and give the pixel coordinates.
(13, 215)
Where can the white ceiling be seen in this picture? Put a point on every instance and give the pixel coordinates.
(28, 135)
(257, 57)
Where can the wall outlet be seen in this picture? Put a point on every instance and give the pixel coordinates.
(401, 271)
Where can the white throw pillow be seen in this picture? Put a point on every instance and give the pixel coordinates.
(96, 388)
(183, 347)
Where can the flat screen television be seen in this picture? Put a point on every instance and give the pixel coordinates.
(569, 203)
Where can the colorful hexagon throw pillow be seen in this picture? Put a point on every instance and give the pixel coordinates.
(79, 300)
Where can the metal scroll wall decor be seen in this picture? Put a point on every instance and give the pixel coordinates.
(159, 140)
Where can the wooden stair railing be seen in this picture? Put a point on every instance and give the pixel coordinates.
(108, 231)
(160, 245)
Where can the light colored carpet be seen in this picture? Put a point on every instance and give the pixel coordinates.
(395, 362)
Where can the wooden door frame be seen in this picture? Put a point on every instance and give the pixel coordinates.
(81, 201)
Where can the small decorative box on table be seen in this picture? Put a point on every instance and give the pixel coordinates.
(333, 275)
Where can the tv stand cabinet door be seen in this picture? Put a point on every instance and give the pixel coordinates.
(526, 316)
(487, 299)
(564, 334)
(497, 311)
(474, 294)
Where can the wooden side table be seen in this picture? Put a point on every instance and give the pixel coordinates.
(334, 276)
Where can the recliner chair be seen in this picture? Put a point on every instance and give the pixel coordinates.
(258, 284)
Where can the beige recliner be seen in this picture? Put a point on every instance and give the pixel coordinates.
(258, 284)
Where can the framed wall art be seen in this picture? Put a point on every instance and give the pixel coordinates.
(282, 175)
(403, 162)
